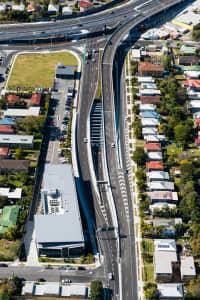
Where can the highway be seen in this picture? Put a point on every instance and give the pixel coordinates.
(115, 16)
(118, 179)
(128, 286)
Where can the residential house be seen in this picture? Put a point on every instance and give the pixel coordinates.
(10, 165)
(149, 69)
(146, 107)
(36, 99)
(30, 8)
(193, 84)
(192, 74)
(150, 122)
(65, 72)
(150, 114)
(149, 92)
(163, 196)
(191, 68)
(9, 217)
(85, 5)
(148, 86)
(11, 194)
(154, 165)
(187, 269)
(170, 291)
(195, 106)
(193, 95)
(53, 9)
(15, 102)
(154, 156)
(188, 50)
(15, 141)
(154, 138)
(2, 8)
(157, 176)
(197, 142)
(160, 206)
(164, 257)
(150, 99)
(7, 121)
(67, 10)
(4, 152)
(145, 79)
(6, 129)
(167, 225)
(21, 113)
(188, 60)
(152, 147)
(136, 54)
(160, 186)
(149, 131)
(18, 7)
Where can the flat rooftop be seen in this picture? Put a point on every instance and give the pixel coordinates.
(65, 227)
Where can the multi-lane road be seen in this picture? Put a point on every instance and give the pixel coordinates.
(126, 284)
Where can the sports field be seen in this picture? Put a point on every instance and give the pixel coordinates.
(37, 70)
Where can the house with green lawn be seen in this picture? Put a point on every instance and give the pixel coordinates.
(8, 217)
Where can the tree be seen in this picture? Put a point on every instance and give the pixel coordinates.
(19, 154)
(151, 292)
(96, 290)
(139, 156)
(182, 134)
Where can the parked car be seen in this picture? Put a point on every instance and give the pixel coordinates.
(41, 280)
(66, 281)
(3, 265)
(61, 268)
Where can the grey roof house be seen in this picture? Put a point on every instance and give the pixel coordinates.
(164, 257)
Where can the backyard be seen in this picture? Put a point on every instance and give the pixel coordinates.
(32, 71)
(9, 249)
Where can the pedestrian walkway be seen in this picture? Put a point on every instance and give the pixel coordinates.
(133, 181)
(30, 245)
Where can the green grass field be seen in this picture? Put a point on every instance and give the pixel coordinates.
(38, 70)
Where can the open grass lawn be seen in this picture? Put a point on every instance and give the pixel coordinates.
(9, 249)
(38, 70)
(148, 273)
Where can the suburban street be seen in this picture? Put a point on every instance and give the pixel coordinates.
(106, 65)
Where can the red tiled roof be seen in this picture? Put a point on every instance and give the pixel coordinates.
(192, 82)
(35, 99)
(30, 7)
(6, 128)
(152, 146)
(162, 195)
(150, 99)
(4, 151)
(155, 165)
(12, 98)
(85, 4)
(197, 141)
(197, 122)
(148, 66)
